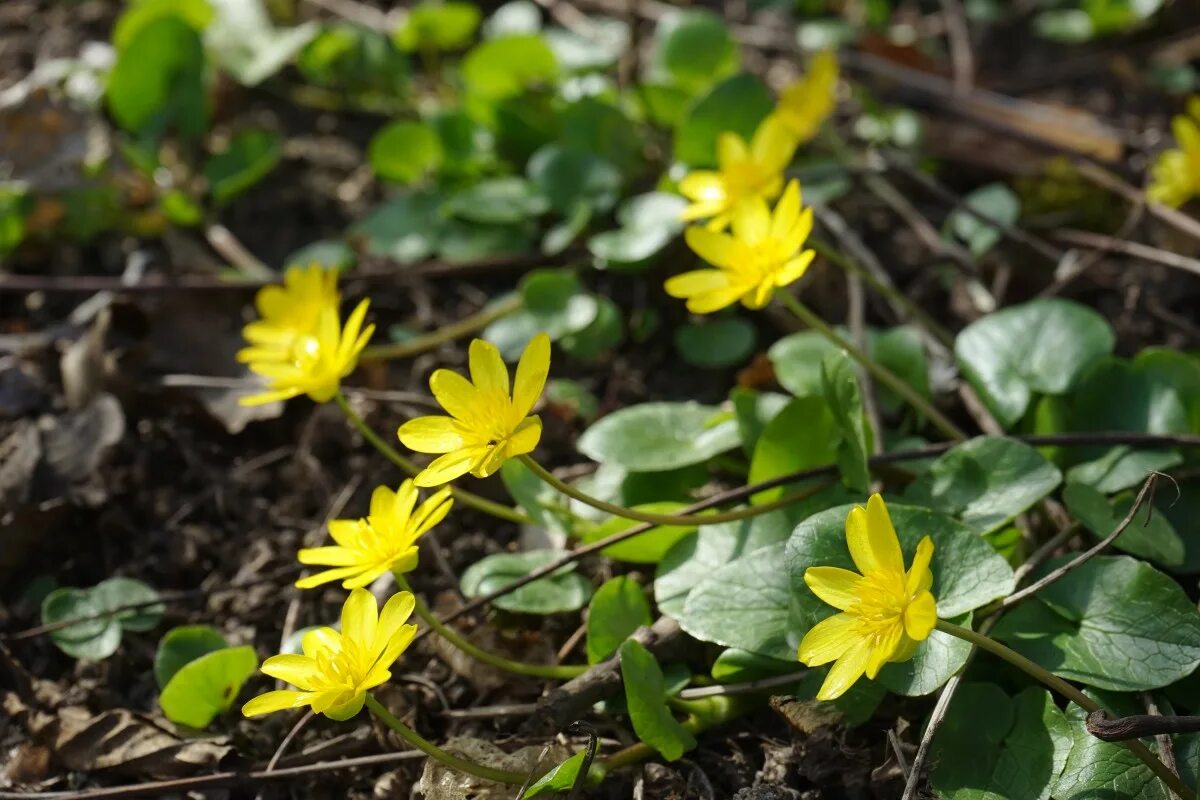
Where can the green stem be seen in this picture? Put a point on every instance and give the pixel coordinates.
(832, 254)
(1071, 693)
(461, 495)
(712, 713)
(433, 751)
(880, 372)
(665, 519)
(552, 671)
(446, 333)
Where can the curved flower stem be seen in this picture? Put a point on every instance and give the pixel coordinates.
(461, 495)
(433, 751)
(880, 372)
(664, 519)
(552, 671)
(1071, 693)
(446, 333)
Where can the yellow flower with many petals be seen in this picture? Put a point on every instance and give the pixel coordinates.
(808, 102)
(743, 173)
(762, 253)
(1175, 177)
(485, 427)
(337, 669)
(288, 312)
(385, 541)
(885, 612)
(316, 361)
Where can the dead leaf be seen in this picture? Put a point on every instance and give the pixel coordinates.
(806, 716)
(439, 782)
(119, 741)
(75, 444)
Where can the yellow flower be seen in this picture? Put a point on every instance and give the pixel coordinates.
(1175, 177)
(743, 172)
(763, 253)
(885, 612)
(316, 361)
(337, 669)
(485, 427)
(809, 101)
(289, 311)
(385, 541)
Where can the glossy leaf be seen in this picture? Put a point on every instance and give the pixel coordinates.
(183, 645)
(618, 608)
(561, 591)
(1149, 535)
(652, 437)
(207, 686)
(405, 152)
(716, 344)
(645, 697)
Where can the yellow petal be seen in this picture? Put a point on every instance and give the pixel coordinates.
(845, 671)
(488, 372)
(532, 371)
(886, 643)
(836, 586)
(708, 302)
(786, 212)
(731, 149)
(713, 247)
(919, 577)
(773, 144)
(342, 709)
(327, 576)
(359, 616)
(493, 459)
(432, 511)
(323, 638)
(275, 701)
(751, 220)
(346, 532)
(434, 434)
(330, 556)
(703, 186)
(920, 617)
(366, 577)
(794, 269)
(383, 500)
(457, 395)
(828, 640)
(299, 671)
(906, 650)
(405, 562)
(525, 437)
(872, 539)
(444, 469)
(695, 282)
(396, 611)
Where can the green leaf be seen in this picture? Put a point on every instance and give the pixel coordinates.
(645, 696)
(1179, 370)
(553, 302)
(1122, 467)
(1041, 346)
(543, 504)
(716, 344)
(695, 49)
(900, 350)
(995, 747)
(936, 660)
(116, 593)
(601, 335)
(839, 384)
(183, 645)
(331, 254)
(1150, 535)
(738, 666)
(736, 105)
(797, 361)
(805, 434)
(504, 67)
(497, 201)
(245, 43)
(994, 201)
(754, 410)
(1118, 395)
(405, 152)
(645, 548)
(1114, 622)
(618, 608)
(560, 779)
(354, 59)
(95, 639)
(985, 482)
(438, 26)
(207, 686)
(404, 229)
(570, 177)
(158, 80)
(1099, 769)
(249, 157)
(561, 591)
(653, 437)
(648, 224)
(196, 13)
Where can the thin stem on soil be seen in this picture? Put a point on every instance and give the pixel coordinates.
(880, 372)
(433, 751)
(461, 495)
(552, 671)
(661, 519)
(446, 333)
(1056, 683)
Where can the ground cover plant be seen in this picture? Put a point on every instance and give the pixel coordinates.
(789, 399)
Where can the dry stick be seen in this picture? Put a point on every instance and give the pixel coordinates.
(1139, 726)
(748, 687)
(1107, 180)
(1145, 252)
(1086, 555)
(732, 495)
(959, 37)
(1166, 750)
(218, 779)
(855, 320)
(446, 333)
